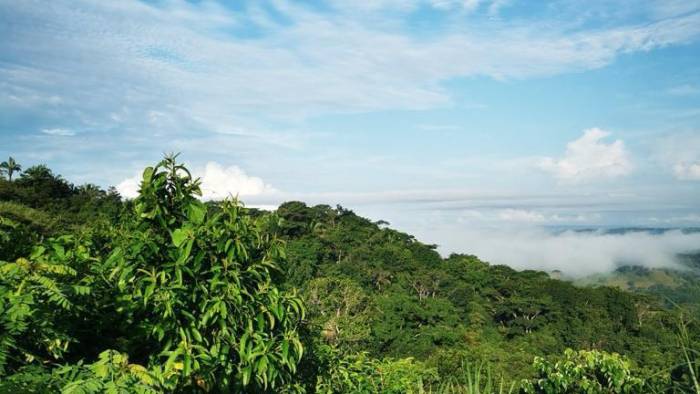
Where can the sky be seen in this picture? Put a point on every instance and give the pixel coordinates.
(449, 119)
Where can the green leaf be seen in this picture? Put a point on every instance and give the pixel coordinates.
(148, 174)
(196, 212)
(285, 349)
(179, 236)
(242, 350)
(245, 375)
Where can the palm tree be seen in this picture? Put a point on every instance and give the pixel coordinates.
(10, 166)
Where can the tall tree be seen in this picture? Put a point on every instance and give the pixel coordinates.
(10, 166)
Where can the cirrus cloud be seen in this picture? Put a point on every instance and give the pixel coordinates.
(59, 132)
(172, 59)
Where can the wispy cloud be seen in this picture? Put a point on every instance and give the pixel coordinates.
(687, 171)
(59, 132)
(684, 90)
(177, 60)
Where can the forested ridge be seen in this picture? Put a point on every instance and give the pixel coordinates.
(165, 293)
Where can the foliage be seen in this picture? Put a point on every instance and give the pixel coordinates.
(165, 293)
(37, 300)
(67, 205)
(477, 380)
(341, 309)
(111, 373)
(193, 290)
(9, 167)
(689, 370)
(584, 371)
(199, 285)
(20, 228)
(359, 373)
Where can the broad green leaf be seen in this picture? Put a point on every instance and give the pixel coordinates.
(148, 174)
(179, 236)
(196, 212)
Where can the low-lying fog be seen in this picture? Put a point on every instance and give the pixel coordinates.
(575, 253)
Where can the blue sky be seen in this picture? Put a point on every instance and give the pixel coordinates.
(437, 115)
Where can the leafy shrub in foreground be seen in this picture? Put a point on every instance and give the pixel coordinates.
(584, 371)
(199, 284)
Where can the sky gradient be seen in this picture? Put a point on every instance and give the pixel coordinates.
(439, 116)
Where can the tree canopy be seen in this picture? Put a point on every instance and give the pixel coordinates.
(165, 293)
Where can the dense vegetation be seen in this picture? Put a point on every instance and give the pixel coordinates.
(675, 286)
(168, 294)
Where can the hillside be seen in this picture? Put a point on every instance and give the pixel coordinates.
(411, 302)
(383, 311)
(672, 286)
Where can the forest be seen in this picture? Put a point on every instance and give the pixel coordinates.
(167, 293)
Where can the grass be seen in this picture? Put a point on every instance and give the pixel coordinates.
(477, 380)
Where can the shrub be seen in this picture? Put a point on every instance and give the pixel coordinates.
(583, 371)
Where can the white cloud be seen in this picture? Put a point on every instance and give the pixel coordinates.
(467, 5)
(218, 183)
(687, 171)
(411, 5)
(589, 158)
(527, 216)
(59, 132)
(680, 153)
(520, 215)
(173, 60)
(691, 218)
(129, 187)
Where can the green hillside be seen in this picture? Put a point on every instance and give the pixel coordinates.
(673, 286)
(168, 294)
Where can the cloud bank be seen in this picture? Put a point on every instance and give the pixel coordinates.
(574, 253)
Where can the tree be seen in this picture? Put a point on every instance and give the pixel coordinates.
(40, 186)
(341, 309)
(10, 167)
(295, 217)
(198, 284)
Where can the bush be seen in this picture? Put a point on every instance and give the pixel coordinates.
(583, 371)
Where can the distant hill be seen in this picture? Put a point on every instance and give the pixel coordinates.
(673, 286)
